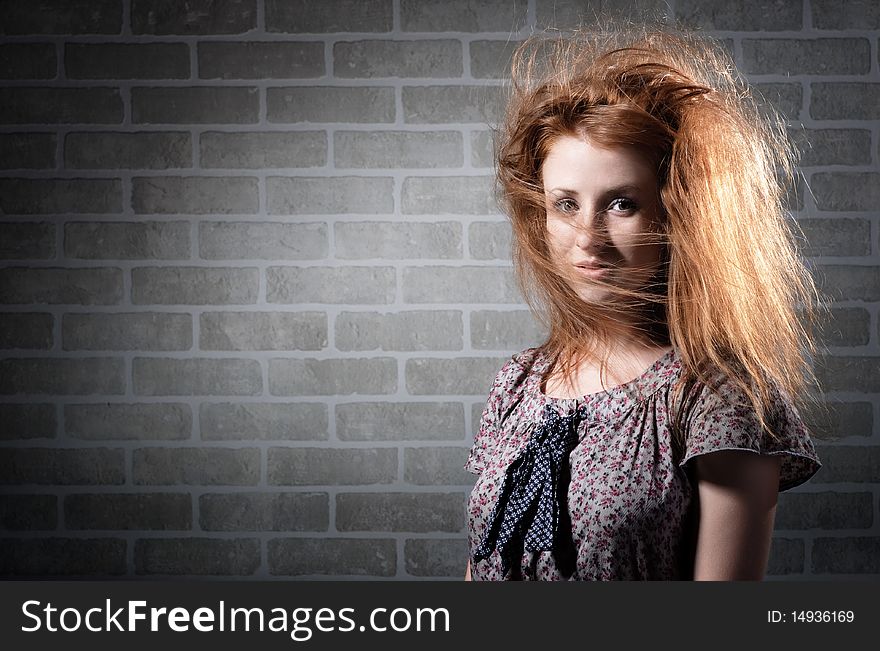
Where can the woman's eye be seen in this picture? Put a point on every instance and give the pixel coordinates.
(622, 205)
(566, 205)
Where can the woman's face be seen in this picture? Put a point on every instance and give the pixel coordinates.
(603, 216)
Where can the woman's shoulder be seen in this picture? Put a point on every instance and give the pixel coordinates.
(720, 416)
(517, 377)
(520, 366)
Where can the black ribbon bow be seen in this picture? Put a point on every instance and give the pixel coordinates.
(532, 500)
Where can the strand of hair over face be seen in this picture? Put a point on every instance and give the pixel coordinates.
(733, 296)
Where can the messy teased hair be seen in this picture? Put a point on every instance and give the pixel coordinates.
(732, 293)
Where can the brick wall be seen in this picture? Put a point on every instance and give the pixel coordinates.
(255, 284)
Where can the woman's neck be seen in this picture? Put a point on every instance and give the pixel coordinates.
(616, 364)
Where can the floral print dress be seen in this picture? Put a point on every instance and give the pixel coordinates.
(631, 497)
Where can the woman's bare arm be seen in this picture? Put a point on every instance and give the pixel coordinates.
(467, 573)
(737, 492)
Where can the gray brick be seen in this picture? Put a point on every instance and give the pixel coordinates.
(436, 466)
(194, 285)
(563, 15)
(193, 17)
(815, 56)
(459, 285)
(849, 463)
(332, 377)
(329, 104)
(65, 467)
(859, 374)
(462, 16)
(116, 511)
(416, 512)
(62, 376)
(126, 60)
(263, 330)
(51, 285)
(197, 105)
(396, 240)
(830, 14)
(196, 466)
(27, 240)
(297, 421)
(847, 327)
(332, 556)
(829, 510)
(450, 104)
(304, 16)
(397, 149)
(482, 149)
(784, 97)
(435, 557)
(52, 557)
(834, 419)
(26, 330)
(126, 331)
(759, 16)
(107, 421)
(261, 150)
(400, 421)
(332, 467)
(140, 150)
(25, 105)
(490, 240)
(846, 190)
(329, 196)
(457, 376)
(409, 330)
(28, 512)
(28, 61)
(505, 330)
(264, 512)
(786, 556)
(845, 100)
(61, 17)
(836, 236)
(842, 282)
(127, 240)
(197, 195)
(51, 196)
(195, 377)
(373, 58)
(857, 555)
(253, 60)
(19, 151)
(491, 59)
(27, 421)
(263, 240)
(460, 195)
(351, 285)
(833, 146)
(197, 556)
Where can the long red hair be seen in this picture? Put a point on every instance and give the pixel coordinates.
(733, 294)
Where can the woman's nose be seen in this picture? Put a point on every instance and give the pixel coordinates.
(591, 231)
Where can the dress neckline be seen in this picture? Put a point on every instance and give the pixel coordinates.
(640, 387)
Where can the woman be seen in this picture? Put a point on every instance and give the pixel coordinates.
(648, 437)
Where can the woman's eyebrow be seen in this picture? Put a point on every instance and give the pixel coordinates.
(627, 188)
(562, 191)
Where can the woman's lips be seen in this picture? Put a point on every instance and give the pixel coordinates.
(590, 271)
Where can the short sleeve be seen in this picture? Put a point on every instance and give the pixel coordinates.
(486, 434)
(728, 422)
(508, 384)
